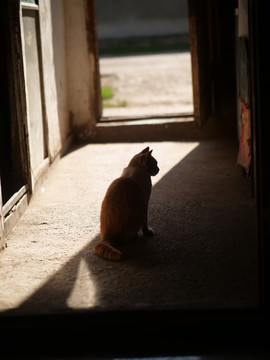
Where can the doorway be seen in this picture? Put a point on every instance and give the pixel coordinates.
(144, 59)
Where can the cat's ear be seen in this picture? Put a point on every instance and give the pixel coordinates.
(145, 150)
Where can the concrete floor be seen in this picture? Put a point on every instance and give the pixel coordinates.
(203, 254)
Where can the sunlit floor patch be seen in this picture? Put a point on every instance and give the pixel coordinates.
(170, 155)
(82, 295)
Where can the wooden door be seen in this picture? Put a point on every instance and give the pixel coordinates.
(200, 59)
(34, 83)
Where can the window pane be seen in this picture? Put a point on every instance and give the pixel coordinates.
(30, 1)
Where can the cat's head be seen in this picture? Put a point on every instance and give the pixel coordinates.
(145, 160)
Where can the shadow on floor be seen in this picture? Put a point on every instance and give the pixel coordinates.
(204, 253)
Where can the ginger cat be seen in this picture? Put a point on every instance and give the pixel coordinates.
(125, 205)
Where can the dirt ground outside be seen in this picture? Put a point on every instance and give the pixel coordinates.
(147, 84)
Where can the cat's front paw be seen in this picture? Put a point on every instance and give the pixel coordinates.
(147, 231)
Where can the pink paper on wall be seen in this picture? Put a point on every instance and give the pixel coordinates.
(244, 154)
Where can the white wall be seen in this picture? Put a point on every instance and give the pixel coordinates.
(80, 66)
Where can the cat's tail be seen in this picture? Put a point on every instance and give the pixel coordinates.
(107, 251)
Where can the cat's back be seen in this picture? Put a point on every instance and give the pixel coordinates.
(122, 208)
(121, 190)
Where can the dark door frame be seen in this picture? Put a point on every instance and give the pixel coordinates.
(20, 155)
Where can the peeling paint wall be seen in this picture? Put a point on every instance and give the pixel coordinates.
(79, 64)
